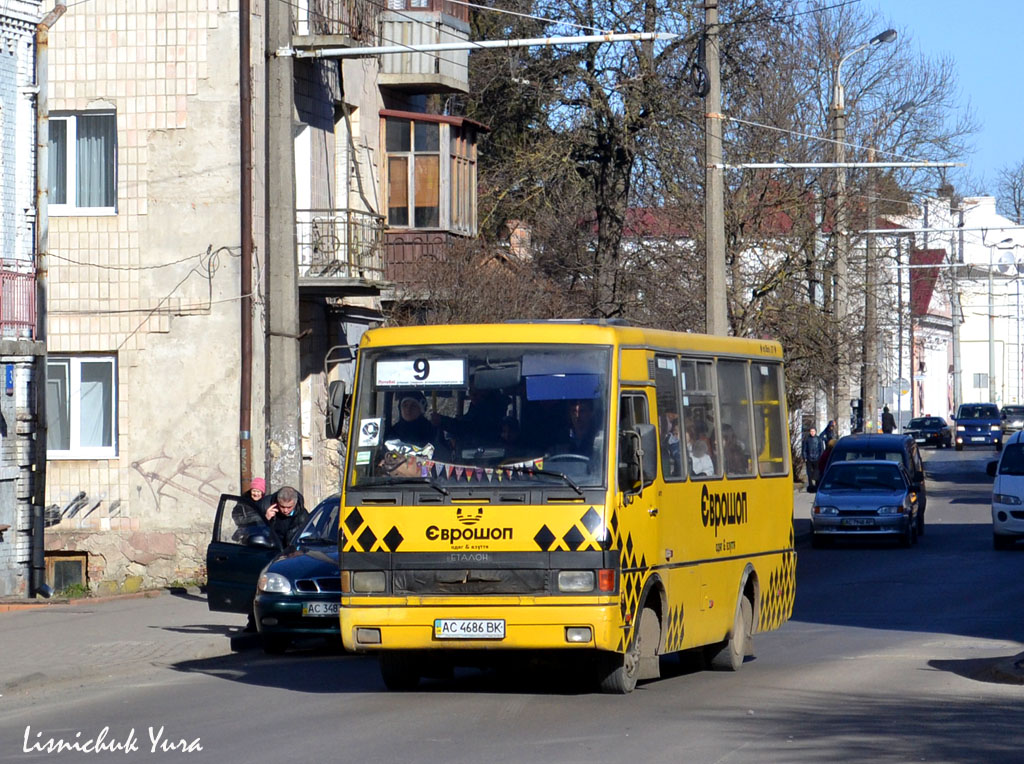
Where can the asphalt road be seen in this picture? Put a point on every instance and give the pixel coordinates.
(889, 657)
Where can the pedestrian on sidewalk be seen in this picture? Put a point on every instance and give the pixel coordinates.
(811, 450)
(888, 420)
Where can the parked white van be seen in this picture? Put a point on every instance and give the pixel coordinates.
(1008, 493)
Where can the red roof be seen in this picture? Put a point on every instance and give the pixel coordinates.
(922, 280)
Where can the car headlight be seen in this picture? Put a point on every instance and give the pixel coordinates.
(960, 428)
(892, 509)
(575, 580)
(1005, 498)
(996, 427)
(826, 510)
(274, 582)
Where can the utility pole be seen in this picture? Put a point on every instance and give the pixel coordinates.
(869, 372)
(716, 314)
(283, 450)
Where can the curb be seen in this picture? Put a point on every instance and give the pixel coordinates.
(37, 604)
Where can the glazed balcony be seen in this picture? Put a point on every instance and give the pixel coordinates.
(419, 22)
(340, 251)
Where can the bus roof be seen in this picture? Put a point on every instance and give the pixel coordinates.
(576, 332)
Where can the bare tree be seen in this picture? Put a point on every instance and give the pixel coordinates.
(1010, 191)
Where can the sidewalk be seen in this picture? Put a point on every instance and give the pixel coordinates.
(51, 644)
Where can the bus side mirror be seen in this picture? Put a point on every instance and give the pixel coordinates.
(629, 462)
(335, 408)
(648, 452)
(638, 458)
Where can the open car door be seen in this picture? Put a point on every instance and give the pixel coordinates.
(241, 546)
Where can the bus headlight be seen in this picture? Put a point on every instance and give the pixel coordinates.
(276, 583)
(575, 580)
(368, 581)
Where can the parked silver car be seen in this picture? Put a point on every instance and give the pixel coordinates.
(1013, 419)
(865, 498)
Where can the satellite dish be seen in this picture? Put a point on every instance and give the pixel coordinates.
(1007, 263)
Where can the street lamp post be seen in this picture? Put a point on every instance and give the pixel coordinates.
(992, 321)
(838, 108)
(869, 353)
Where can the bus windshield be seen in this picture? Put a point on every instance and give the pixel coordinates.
(478, 415)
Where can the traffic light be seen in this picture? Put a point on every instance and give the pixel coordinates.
(856, 415)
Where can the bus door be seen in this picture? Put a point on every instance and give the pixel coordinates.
(638, 509)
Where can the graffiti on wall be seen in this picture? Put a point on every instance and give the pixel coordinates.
(166, 479)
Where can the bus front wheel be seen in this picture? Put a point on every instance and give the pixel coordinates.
(400, 671)
(620, 671)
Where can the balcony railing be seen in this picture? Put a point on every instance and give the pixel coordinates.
(17, 302)
(352, 18)
(339, 244)
(458, 11)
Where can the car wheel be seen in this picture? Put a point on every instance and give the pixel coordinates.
(274, 644)
(920, 522)
(729, 655)
(959, 446)
(817, 541)
(400, 671)
(999, 446)
(1002, 542)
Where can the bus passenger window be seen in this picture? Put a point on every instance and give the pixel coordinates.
(699, 426)
(666, 380)
(734, 403)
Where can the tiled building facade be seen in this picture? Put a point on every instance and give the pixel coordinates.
(144, 284)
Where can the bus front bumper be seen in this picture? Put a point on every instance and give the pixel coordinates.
(446, 627)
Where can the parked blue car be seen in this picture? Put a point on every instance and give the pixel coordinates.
(865, 498)
(978, 424)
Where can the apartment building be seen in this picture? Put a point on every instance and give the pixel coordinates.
(146, 154)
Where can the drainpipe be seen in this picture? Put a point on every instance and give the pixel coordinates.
(245, 207)
(37, 577)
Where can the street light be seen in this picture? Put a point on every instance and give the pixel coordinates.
(992, 320)
(869, 350)
(838, 108)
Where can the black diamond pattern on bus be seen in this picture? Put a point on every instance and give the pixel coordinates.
(367, 539)
(353, 521)
(592, 521)
(394, 539)
(544, 538)
(573, 539)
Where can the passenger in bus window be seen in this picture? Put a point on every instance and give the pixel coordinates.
(737, 461)
(674, 463)
(583, 427)
(701, 464)
(412, 426)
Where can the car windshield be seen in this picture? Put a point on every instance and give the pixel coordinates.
(889, 456)
(322, 526)
(978, 412)
(480, 416)
(854, 476)
(916, 424)
(1012, 462)
(1014, 412)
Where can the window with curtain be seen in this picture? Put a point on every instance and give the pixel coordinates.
(83, 163)
(431, 174)
(81, 407)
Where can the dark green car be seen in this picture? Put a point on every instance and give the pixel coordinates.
(290, 592)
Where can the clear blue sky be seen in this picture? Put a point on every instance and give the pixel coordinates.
(986, 40)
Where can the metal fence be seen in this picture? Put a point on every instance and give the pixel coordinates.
(339, 244)
(17, 303)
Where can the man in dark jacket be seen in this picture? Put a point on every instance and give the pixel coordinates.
(287, 514)
(888, 420)
(811, 449)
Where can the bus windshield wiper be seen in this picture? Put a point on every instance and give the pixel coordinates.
(389, 480)
(568, 481)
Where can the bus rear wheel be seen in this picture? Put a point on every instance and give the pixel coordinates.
(728, 655)
(620, 671)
